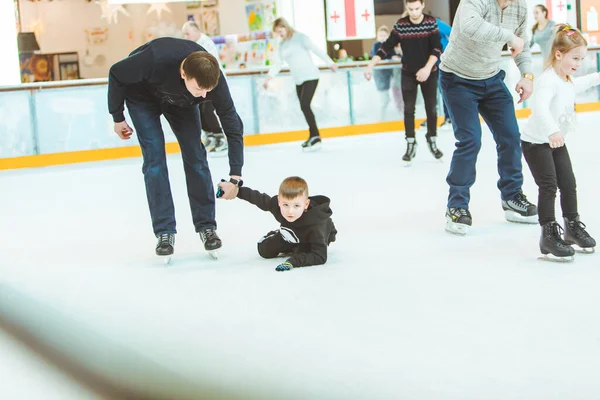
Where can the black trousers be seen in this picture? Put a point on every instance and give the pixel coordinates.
(210, 122)
(409, 92)
(273, 244)
(306, 92)
(551, 168)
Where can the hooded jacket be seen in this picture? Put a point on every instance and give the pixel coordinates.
(314, 230)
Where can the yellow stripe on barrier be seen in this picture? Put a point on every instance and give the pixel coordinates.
(73, 157)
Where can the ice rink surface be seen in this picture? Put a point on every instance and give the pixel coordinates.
(401, 310)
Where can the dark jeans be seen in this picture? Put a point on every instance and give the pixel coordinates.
(208, 118)
(551, 168)
(185, 122)
(306, 92)
(446, 115)
(409, 93)
(466, 100)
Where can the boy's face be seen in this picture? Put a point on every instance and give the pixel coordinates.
(415, 9)
(292, 209)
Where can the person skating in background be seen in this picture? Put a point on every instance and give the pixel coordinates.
(382, 76)
(306, 228)
(445, 31)
(552, 119)
(296, 50)
(542, 32)
(214, 138)
(419, 37)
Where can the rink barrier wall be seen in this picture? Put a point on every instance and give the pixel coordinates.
(54, 159)
(45, 160)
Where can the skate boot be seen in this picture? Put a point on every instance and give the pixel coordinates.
(211, 241)
(431, 141)
(164, 246)
(458, 221)
(411, 151)
(219, 145)
(552, 246)
(520, 210)
(312, 144)
(575, 234)
(209, 141)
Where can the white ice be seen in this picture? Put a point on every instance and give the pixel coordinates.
(401, 310)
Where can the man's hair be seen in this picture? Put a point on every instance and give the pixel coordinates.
(293, 187)
(204, 68)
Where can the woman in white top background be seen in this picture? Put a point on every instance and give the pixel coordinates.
(295, 50)
(543, 143)
(215, 141)
(542, 32)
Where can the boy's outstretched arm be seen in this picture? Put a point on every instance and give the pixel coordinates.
(316, 256)
(261, 200)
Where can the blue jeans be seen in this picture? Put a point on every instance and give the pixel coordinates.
(185, 123)
(466, 99)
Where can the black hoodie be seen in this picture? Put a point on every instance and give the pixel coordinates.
(314, 229)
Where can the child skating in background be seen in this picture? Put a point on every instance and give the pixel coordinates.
(543, 143)
(306, 226)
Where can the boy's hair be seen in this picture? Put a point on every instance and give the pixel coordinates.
(405, 13)
(293, 187)
(383, 28)
(565, 39)
(204, 68)
(282, 23)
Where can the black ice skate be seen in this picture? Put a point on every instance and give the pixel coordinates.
(552, 246)
(411, 151)
(431, 141)
(211, 241)
(165, 246)
(458, 221)
(575, 234)
(219, 145)
(520, 210)
(312, 144)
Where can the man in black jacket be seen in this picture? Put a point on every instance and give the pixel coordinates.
(170, 77)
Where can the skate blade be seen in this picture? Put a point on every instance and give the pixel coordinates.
(456, 229)
(584, 250)
(166, 259)
(512, 216)
(218, 154)
(407, 163)
(214, 254)
(312, 149)
(553, 258)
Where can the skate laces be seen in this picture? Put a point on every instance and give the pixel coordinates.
(579, 229)
(522, 200)
(165, 238)
(461, 212)
(209, 234)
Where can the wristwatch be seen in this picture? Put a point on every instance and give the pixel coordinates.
(239, 183)
(528, 76)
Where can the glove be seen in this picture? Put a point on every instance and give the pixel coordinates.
(284, 266)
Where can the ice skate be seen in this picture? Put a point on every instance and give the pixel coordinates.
(520, 210)
(411, 151)
(211, 241)
(431, 142)
(458, 221)
(577, 236)
(552, 246)
(219, 145)
(312, 144)
(209, 141)
(165, 247)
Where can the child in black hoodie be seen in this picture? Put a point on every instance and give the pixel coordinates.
(306, 225)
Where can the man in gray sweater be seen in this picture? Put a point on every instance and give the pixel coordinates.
(473, 84)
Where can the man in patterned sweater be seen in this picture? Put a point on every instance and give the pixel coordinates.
(472, 84)
(419, 37)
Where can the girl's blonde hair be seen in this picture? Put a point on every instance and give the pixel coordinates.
(282, 23)
(383, 28)
(566, 39)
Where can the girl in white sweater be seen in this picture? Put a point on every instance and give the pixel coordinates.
(295, 49)
(543, 143)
